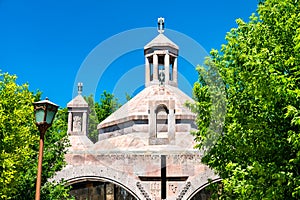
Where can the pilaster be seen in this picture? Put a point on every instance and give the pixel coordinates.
(70, 122)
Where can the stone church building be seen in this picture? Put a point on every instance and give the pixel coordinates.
(145, 148)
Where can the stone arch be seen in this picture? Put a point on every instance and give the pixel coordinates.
(161, 106)
(202, 187)
(81, 179)
(77, 174)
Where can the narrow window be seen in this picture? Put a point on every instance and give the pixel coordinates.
(162, 121)
(171, 68)
(151, 71)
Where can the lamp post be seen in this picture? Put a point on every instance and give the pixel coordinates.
(44, 112)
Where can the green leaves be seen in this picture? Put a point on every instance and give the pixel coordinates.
(100, 111)
(258, 154)
(93, 119)
(16, 121)
(107, 105)
(19, 143)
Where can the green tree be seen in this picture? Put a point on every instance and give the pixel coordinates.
(258, 154)
(100, 111)
(19, 145)
(128, 96)
(93, 119)
(107, 105)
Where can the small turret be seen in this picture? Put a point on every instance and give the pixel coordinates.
(78, 110)
(161, 59)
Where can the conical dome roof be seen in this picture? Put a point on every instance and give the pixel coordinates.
(137, 108)
(78, 101)
(161, 41)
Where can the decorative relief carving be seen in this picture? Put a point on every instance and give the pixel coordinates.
(174, 158)
(118, 156)
(155, 157)
(173, 188)
(187, 157)
(184, 190)
(161, 77)
(155, 190)
(76, 123)
(144, 193)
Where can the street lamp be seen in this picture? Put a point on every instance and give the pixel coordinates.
(44, 112)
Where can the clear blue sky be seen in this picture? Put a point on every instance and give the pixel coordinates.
(45, 43)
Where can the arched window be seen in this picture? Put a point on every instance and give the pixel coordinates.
(162, 113)
(161, 122)
(205, 192)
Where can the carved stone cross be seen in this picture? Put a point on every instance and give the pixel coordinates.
(163, 178)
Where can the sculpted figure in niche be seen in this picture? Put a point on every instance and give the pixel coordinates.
(161, 77)
(76, 123)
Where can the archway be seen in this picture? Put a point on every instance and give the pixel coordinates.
(98, 188)
(204, 192)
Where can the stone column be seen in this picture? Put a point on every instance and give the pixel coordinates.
(70, 124)
(167, 68)
(84, 123)
(175, 72)
(147, 72)
(155, 67)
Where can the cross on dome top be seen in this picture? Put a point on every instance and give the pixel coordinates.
(79, 85)
(161, 25)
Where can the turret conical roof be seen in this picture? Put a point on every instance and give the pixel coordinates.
(161, 41)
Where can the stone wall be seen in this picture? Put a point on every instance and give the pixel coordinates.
(124, 169)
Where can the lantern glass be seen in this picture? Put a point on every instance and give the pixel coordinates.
(51, 111)
(40, 115)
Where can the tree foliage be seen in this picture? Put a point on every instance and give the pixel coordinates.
(258, 154)
(107, 105)
(20, 143)
(100, 111)
(128, 96)
(93, 119)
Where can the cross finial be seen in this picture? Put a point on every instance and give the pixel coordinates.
(79, 88)
(161, 25)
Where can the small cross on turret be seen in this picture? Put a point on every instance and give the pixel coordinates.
(161, 25)
(80, 85)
